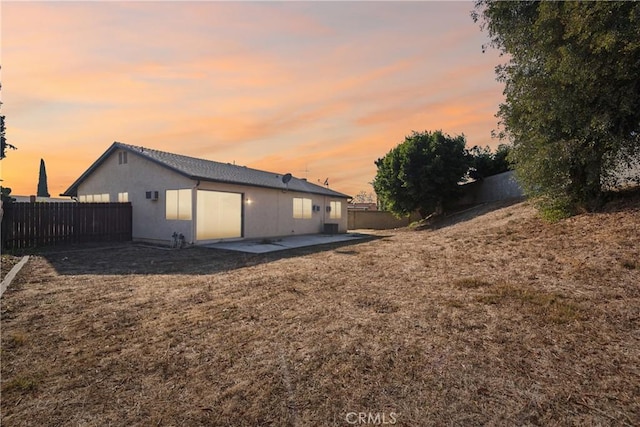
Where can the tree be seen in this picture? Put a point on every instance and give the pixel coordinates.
(484, 162)
(43, 191)
(422, 173)
(3, 141)
(364, 197)
(572, 95)
(5, 193)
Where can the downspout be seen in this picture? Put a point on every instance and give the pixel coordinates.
(194, 210)
(324, 214)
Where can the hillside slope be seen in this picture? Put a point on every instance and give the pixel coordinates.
(499, 320)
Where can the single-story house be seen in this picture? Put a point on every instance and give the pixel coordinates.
(206, 201)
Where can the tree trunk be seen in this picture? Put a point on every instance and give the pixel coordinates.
(586, 186)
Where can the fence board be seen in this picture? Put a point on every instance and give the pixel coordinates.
(28, 225)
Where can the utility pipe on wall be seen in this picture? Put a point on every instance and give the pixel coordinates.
(194, 211)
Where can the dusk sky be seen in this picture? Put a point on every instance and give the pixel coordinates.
(318, 89)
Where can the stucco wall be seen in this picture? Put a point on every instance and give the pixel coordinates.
(493, 188)
(137, 177)
(378, 220)
(267, 212)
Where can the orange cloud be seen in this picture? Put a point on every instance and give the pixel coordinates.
(281, 86)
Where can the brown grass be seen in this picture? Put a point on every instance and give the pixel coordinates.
(499, 320)
(7, 261)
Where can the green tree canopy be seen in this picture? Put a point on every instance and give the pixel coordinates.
(484, 162)
(422, 173)
(572, 94)
(3, 140)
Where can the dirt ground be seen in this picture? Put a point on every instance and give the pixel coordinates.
(7, 262)
(498, 320)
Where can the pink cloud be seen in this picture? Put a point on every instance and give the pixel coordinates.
(282, 87)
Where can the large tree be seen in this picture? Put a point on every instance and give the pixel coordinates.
(484, 162)
(422, 173)
(572, 94)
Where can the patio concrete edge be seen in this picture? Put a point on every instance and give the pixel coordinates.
(12, 274)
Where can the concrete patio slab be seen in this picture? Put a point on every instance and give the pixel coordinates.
(284, 243)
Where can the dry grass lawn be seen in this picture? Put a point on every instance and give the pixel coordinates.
(500, 320)
(7, 262)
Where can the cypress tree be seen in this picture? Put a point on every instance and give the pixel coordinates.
(42, 181)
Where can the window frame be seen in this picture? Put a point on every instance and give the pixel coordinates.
(336, 209)
(122, 158)
(305, 208)
(183, 205)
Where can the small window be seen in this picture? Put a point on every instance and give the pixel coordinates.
(123, 197)
(302, 208)
(122, 157)
(178, 204)
(336, 210)
(97, 198)
(82, 199)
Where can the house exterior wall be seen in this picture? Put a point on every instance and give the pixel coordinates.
(267, 212)
(136, 177)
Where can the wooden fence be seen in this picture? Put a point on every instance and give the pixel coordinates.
(28, 225)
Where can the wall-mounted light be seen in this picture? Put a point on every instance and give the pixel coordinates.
(249, 201)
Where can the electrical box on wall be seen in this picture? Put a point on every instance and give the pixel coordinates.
(152, 195)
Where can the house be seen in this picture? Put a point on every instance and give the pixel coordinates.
(206, 201)
(362, 206)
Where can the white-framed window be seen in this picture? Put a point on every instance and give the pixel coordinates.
(178, 204)
(336, 210)
(123, 197)
(82, 198)
(302, 208)
(104, 198)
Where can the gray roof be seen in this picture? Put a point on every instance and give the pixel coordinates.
(207, 170)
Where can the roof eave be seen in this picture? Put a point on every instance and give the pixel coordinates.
(72, 191)
(207, 179)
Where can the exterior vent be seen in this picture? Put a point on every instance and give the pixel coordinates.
(152, 195)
